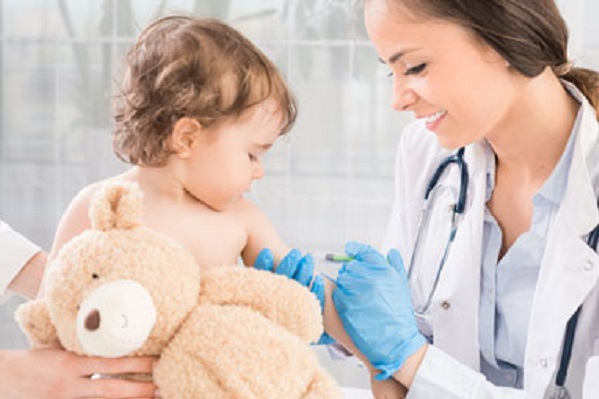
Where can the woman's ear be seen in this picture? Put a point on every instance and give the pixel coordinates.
(185, 135)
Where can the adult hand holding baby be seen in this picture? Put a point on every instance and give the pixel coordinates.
(58, 374)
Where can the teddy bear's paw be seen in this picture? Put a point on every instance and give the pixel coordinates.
(323, 386)
(232, 352)
(276, 297)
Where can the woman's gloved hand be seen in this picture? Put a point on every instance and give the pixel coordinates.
(295, 266)
(374, 302)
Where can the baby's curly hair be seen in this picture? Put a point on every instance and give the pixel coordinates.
(183, 66)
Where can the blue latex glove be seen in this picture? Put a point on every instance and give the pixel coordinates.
(374, 303)
(295, 266)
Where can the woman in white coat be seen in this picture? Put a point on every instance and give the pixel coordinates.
(493, 77)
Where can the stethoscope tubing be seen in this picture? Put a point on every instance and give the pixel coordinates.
(458, 159)
(458, 209)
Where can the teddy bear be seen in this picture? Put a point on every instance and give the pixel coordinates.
(122, 289)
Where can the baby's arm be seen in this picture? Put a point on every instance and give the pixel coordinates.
(261, 234)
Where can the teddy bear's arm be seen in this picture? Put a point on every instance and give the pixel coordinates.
(34, 319)
(277, 297)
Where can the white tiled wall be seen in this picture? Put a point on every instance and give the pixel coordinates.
(328, 181)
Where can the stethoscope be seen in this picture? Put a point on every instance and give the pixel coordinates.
(457, 209)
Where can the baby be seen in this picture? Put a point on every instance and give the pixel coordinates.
(198, 107)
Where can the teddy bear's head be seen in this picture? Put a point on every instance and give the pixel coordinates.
(117, 289)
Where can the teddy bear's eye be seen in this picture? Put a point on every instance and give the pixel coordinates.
(95, 276)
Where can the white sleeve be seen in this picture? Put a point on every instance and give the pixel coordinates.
(590, 389)
(15, 251)
(441, 376)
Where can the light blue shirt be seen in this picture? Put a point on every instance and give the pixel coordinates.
(507, 286)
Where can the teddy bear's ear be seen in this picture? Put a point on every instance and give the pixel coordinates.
(34, 320)
(116, 206)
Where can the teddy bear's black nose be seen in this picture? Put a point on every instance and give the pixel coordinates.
(92, 321)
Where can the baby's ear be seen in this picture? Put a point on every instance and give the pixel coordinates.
(34, 320)
(185, 135)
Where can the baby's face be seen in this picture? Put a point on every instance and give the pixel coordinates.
(228, 158)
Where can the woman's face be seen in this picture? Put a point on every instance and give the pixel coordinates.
(442, 73)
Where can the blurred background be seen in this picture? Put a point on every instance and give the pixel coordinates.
(328, 181)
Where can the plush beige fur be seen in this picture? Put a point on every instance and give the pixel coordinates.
(233, 333)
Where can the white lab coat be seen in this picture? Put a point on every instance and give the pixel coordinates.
(568, 276)
(15, 251)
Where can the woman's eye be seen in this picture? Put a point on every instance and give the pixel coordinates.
(415, 70)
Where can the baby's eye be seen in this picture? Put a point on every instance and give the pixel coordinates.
(384, 71)
(253, 158)
(415, 70)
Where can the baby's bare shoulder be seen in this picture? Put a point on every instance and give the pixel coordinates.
(248, 213)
